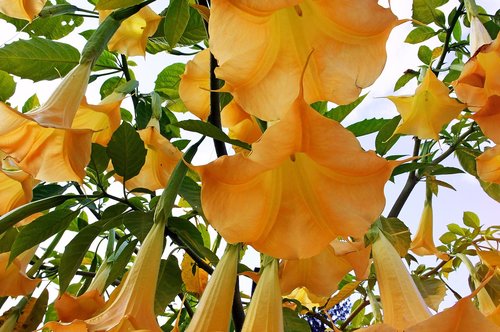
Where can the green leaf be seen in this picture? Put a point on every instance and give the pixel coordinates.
(139, 223)
(106, 60)
(99, 159)
(127, 151)
(448, 238)
(432, 290)
(420, 34)
(293, 323)
(446, 171)
(167, 82)
(210, 130)
(11, 218)
(176, 21)
(110, 85)
(41, 229)
(367, 126)
(7, 86)
(114, 4)
(339, 113)
(32, 320)
(169, 283)
(43, 190)
(120, 260)
(385, 138)
(195, 29)
(408, 167)
(52, 27)
(425, 54)
(38, 59)
(191, 192)
(454, 228)
(74, 253)
(471, 219)
(31, 103)
(425, 11)
(405, 78)
(398, 233)
(191, 236)
(492, 189)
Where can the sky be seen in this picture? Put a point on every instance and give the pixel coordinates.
(448, 206)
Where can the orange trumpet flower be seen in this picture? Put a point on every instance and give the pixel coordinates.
(22, 9)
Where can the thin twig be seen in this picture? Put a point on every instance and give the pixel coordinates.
(354, 314)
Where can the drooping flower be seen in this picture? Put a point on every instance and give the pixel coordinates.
(132, 308)
(488, 165)
(242, 126)
(306, 182)
(480, 77)
(265, 312)
(321, 274)
(403, 306)
(306, 298)
(161, 159)
(194, 87)
(428, 110)
(22, 9)
(423, 243)
(213, 312)
(262, 46)
(13, 278)
(42, 142)
(103, 118)
(479, 36)
(70, 308)
(132, 35)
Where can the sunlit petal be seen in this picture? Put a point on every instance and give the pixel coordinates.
(132, 36)
(488, 165)
(488, 118)
(71, 308)
(426, 112)
(262, 46)
(13, 278)
(423, 243)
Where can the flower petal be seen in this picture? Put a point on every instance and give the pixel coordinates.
(488, 165)
(71, 308)
(22, 9)
(488, 118)
(13, 278)
(263, 46)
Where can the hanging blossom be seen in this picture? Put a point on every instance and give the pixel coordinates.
(306, 182)
(428, 110)
(404, 308)
(321, 274)
(13, 278)
(132, 35)
(213, 312)
(22, 9)
(262, 46)
(194, 278)
(42, 142)
(265, 312)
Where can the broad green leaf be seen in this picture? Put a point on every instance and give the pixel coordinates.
(492, 189)
(127, 151)
(385, 138)
(432, 290)
(446, 170)
(454, 228)
(471, 219)
(191, 191)
(408, 167)
(43, 190)
(74, 253)
(339, 113)
(120, 260)
(367, 126)
(139, 223)
(176, 21)
(7, 86)
(293, 323)
(425, 54)
(106, 60)
(99, 159)
(169, 283)
(404, 79)
(195, 29)
(448, 237)
(41, 229)
(31, 103)
(167, 82)
(398, 233)
(420, 34)
(11, 218)
(210, 130)
(190, 236)
(110, 85)
(38, 59)
(114, 4)
(425, 11)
